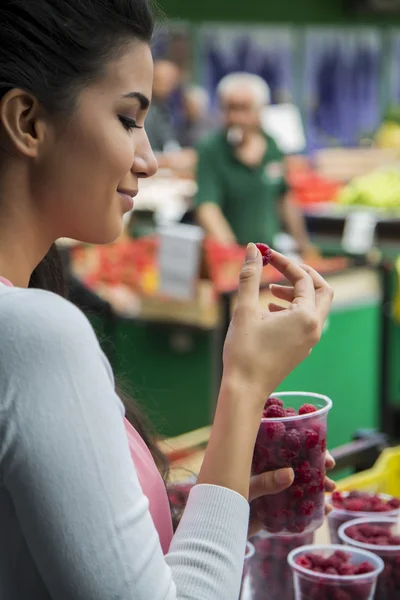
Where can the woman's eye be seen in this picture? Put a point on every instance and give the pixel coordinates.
(129, 123)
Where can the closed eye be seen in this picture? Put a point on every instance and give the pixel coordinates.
(129, 123)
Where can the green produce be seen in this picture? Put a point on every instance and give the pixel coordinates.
(379, 189)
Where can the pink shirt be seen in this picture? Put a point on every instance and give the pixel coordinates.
(149, 477)
(152, 485)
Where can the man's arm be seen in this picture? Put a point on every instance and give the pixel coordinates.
(211, 218)
(294, 221)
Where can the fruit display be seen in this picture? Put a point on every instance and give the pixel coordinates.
(308, 187)
(379, 189)
(334, 573)
(270, 573)
(352, 505)
(132, 263)
(378, 535)
(293, 435)
(265, 253)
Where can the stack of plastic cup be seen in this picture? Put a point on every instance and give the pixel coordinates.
(299, 442)
(270, 575)
(389, 582)
(291, 517)
(311, 585)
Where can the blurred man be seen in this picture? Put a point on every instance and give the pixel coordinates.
(242, 191)
(196, 122)
(159, 123)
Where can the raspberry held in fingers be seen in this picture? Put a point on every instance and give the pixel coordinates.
(265, 253)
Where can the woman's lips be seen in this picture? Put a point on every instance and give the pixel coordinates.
(127, 199)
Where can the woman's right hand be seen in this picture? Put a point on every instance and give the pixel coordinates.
(263, 346)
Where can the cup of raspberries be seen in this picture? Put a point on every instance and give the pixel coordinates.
(348, 506)
(244, 591)
(377, 535)
(334, 573)
(270, 574)
(293, 434)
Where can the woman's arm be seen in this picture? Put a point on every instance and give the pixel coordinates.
(66, 465)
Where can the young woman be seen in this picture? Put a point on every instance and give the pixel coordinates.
(78, 518)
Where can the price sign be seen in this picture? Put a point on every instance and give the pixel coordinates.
(179, 260)
(359, 232)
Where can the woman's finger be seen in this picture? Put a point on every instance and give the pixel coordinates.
(323, 293)
(270, 483)
(303, 285)
(250, 277)
(283, 292)
(330, 485)
(330, 462)
(273, 308)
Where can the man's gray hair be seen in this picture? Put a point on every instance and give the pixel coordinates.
(234, 81)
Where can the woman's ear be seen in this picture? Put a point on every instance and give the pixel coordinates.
(20, 117)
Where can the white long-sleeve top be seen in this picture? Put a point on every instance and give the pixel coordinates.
(74, 522)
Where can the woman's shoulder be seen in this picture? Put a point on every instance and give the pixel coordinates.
(32, 315)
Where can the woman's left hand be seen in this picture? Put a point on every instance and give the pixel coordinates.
(273, 482)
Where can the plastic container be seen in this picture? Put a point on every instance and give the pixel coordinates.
(298, 442)
(338, 516)
(245, 590)
(270, 575)
(382, 478)
(388, 587)
(320, 586)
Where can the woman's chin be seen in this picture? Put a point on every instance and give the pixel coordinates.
(101, 237)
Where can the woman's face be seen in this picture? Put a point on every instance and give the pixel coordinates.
(91, 164)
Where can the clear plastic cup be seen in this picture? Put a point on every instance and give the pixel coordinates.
(320, 586)
(245, 590)
(270, 574)
(388, 587)
(298, 442)
(338, 516)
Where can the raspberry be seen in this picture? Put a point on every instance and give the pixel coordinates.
(297, 492)
(337, 499)
(307, 409)
(265, 253)
(356, 505)
(274, 412)
(342, 556)
(306, 507)
(365, 567)
(273, 401)
(274, 430)
(394, 503)
(304, 562)
(310, 438)
(292, 439)
(303, 473)
(290, 412)
(346, 569)
(285, 457)
(331, 571)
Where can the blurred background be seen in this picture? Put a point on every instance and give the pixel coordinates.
(304, 156)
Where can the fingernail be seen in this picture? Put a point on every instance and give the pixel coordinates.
(251, 252)
(284, 476)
